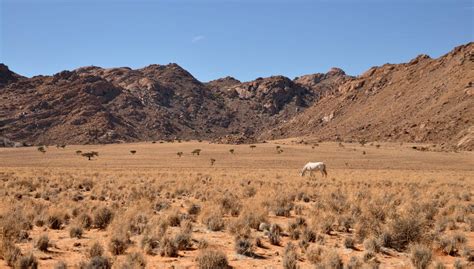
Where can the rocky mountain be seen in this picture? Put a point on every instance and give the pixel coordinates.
(425, 100)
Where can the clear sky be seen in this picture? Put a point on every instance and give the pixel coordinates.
(215, 38)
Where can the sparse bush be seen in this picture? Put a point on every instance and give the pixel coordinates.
(182, 240)
(168, 247)
(27, 262)
(96, 263)
(135, 260)
(55, 221)
(96, 250)
(75, 232)
(42, 243)
(9, 252)
(102, 217)
(212, 259)
(349, 242)
(194, 209)
(118, 244)
(405, 230)
(213, 220)
(314, 254)
(85, 221)
(420, 256)
(354, 263)
(274, 234)
(243, 246)
(372, 245)
(333, 260)
(290, 257)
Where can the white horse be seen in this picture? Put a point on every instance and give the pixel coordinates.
(314, 166)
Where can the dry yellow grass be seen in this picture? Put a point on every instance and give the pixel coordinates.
(150, 193)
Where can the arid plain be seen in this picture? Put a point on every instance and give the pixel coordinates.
(384, 205)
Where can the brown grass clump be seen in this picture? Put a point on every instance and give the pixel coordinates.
(27, 262)
(75, 232)
(213, 219)
(9, 252)
(60, 265)
(96, 250)
(314, 254)
(96, 262)
(42, 243)
(118, 244)
(102, 217)
(333, 260)
(243, 246)
(420, 256)
(135, 260)
(168, 247)
(290, 257)
(405, 230)
(212, 259)
(274, 234)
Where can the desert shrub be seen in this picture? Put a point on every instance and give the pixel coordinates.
(96, 263)
(138, 223)
(349, 242)
(405, 230)
(42, 243)
(27, 262)
(274, 234)
(96, 250)
(85, 221)
(212, 259)
(135, 260)
(55, 221)
(118, 244)
(333, 260)
(230, 204)
(182, 240)
(293, 231)
(372, 245)
(102, 217)
(168, 247)
(60, 265)
(150, 243)
(174, 218)
(253, 217)
(307, 235)
(75, 231)
(314, 254)
(458, 264)
(290, 257)
(202, 243)
(194, 209)
(9, 252)
(213, 219)
(451, 245)
(282, 206)
(243, 245)
(354, 263)
(420, 256)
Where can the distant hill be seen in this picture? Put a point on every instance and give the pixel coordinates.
(425, 100)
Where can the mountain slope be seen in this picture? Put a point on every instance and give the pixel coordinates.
(425, 100)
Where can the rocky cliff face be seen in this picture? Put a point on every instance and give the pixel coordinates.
(425, 100)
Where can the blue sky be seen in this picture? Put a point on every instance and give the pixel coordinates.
(215, 38)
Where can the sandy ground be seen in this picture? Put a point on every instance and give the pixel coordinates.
(159, 161)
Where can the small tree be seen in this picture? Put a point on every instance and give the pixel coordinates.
(133, 152)
(231, 151)
(213, 161)
(179, 154)
(90, 155)
(42, 149)
(252, 146)
(196, 151)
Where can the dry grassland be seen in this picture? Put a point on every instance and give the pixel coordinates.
(386, 206)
